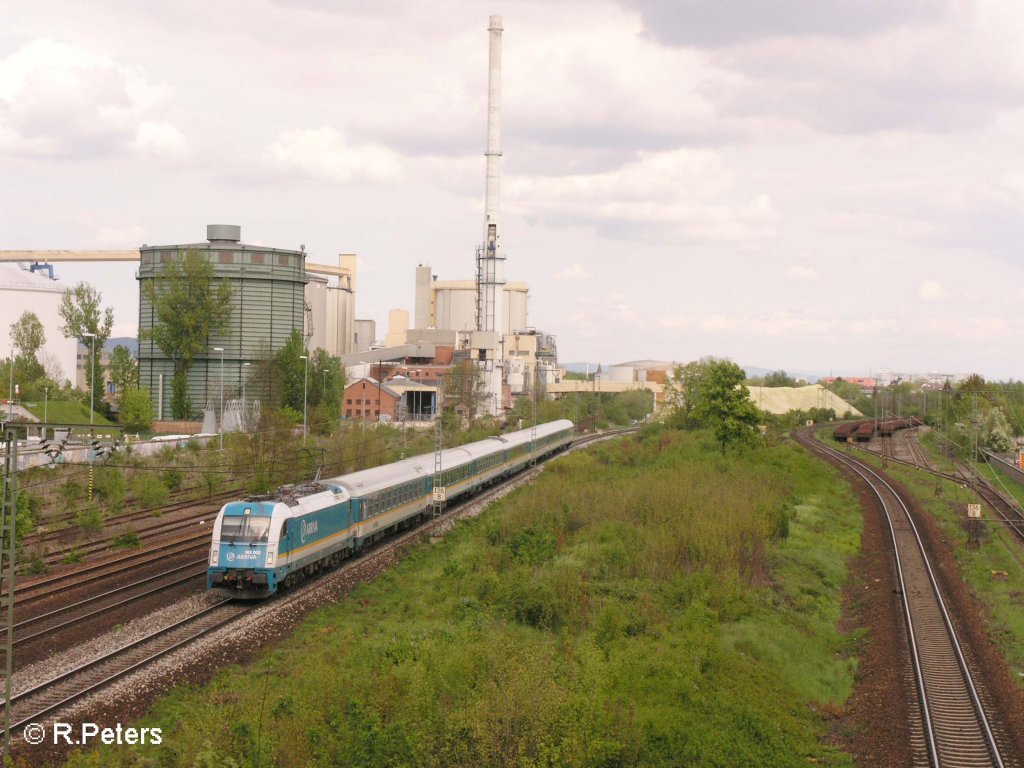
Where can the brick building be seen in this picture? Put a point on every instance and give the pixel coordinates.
(370, 400)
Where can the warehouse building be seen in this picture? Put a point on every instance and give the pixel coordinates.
(22, 291)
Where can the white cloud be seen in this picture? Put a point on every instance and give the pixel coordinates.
(159, 137)
(800, 273)
(59, 100)
(325, 153)
(688, 191)
(931, 290)
(118, 237)
(574, 271)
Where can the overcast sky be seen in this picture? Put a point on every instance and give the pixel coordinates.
(815, 186)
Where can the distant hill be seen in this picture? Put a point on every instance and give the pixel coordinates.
(579, 367)
(754, 372)
(751, 371)
(124, 341)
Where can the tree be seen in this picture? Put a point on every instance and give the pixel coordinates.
(136, 409)
(290, 372)
(28, 335)
(465, 389)
(123, 370)
(724, 405)
(80, 310)
(996, 434)
(710, 393)
(682, 391)
(326, 379)
(779, 379)
(189, 307)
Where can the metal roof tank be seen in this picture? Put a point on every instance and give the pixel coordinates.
(268, 303)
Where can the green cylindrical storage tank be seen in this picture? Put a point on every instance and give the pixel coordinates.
(268, 303)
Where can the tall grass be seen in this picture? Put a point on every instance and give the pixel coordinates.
(648, 602)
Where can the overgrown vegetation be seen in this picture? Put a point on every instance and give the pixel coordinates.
(710, 394)
(650, 602)
(127, 540)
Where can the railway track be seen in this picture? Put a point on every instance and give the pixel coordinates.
(954, 728)
(39, 703)
(36, 704)
(1006, 511)
(51, 585)
(57, 524)
(156, 529)
(45, 624)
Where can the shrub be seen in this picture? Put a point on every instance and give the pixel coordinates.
(109, 485)
(136, 410)
(149, 490)
(36, 562)
(128, 540)
(70, 494)
(89, 518)
(173, 478)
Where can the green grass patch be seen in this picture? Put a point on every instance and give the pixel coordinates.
(66, 412)
(648, 602)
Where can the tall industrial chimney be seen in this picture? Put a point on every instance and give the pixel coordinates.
(490, 278)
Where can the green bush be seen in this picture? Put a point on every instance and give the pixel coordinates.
(173, 479)
(127, 540)
(109, 485)
(136, 410)
(70, 493)
(90, 518)
(148, 490)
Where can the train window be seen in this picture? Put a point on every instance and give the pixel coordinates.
(245, 528)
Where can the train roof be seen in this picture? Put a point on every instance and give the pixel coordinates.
(367, 481)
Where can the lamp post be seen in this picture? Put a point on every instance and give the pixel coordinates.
(46, 402)
(305, 379)
(245, 407)
(220, 428)
(92, 382)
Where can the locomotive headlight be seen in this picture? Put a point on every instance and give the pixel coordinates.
(270, 557)
(214, 554)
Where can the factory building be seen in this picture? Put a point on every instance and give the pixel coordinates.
(330, 310)
(452, 304)
(365, 335)
(22, 290)
(268, 303)
(531, 360)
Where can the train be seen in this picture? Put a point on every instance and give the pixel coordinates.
(863, 431)
(267, 542)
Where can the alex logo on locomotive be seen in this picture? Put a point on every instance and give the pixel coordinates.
(308, 528)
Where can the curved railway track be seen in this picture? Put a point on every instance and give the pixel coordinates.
(1007, 512)
(35, 704)
(954, 728)
(39, 703)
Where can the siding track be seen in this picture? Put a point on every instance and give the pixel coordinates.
(955, 729)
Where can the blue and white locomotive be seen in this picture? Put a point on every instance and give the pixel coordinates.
(275, 540)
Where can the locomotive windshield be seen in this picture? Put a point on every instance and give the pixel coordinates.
(245, 528)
